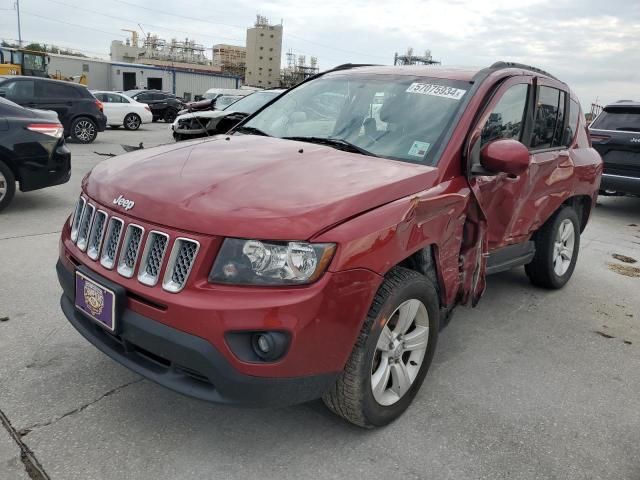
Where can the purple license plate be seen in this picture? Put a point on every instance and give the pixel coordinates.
(96, 301)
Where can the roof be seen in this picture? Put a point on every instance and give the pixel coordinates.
(27, 77)
(436, 71)
(623, 104)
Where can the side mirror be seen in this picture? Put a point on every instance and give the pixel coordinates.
(507, 156)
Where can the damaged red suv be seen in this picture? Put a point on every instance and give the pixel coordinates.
(317, 250)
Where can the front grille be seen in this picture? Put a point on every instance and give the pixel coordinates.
(116, 242)
(152, 258)
(180, 263)
(130, 250)
(114, 232)
(77, 215)
(96, 235)
(85, 225)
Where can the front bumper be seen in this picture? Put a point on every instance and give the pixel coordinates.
(620, 183)
(183, 362)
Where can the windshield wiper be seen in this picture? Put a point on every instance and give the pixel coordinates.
(251, 131)
(338, 143)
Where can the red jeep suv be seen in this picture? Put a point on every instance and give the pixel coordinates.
(317, 249)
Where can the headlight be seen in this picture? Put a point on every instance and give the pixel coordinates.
(254, 262)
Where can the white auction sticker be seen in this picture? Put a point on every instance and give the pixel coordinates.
(436, 90)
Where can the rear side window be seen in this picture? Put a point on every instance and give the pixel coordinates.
(618, 118)
(19, 89)
(143, 97)
(506, 119)
(549, 120)
(574, 121)
(57, 90)
(158, 96)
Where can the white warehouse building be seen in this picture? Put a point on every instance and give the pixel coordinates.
(106, 75)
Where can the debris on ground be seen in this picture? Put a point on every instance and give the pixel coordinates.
(602, 334)
(626, 270)
(628, 342)
(624, 258)
(4, 319)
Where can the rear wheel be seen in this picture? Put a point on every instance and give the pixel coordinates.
(170, 115)
(132, 122)
(392, 353)
(84, 130)
(557, 246)
(7, 186)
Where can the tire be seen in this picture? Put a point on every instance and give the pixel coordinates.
(352, 396)
(170, 115)
(551, 268)
(132, 122)
(155, 119)
(7, 185)
(177, 137)
(84, 130)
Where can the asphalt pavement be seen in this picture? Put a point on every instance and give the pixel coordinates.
(531, 384)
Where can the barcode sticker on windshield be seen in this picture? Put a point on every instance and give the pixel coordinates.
(436, 90)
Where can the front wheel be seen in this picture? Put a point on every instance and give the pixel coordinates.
(132, 122)
(84, 130)
(170, 115)
(7, 185)
(392, 353)
(557, 245)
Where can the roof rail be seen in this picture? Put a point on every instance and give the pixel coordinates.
(348, 66)
(501, 65)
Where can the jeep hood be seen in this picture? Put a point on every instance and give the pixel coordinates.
(252, 187)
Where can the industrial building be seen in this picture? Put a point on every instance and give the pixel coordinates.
(230, 59)
(264, 51)
(109, 75)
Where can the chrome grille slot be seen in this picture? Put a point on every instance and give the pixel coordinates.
(97, 234)
(181, 260)
(85, 226)
(77, 215)
(152, 258)
(130, 250)
(113, 234)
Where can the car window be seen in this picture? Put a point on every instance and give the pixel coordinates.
(143, 97)
(100, 96)
(19, 90)
(112, 98)
(252, 103)
(507, 117)
(574, 121)
(56, 90)
(158, 96)
(121, 98)
(394, 116)
(618, 118)
(549, 119)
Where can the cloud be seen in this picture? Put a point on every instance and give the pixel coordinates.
(590, 44)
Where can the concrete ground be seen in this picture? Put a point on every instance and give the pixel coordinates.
(531, 384)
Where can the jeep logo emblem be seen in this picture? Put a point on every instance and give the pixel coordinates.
(124, 203)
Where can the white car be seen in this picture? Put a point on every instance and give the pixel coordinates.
(123, 110)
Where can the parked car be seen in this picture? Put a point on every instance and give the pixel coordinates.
(309, 255)
(164, 106)
(203, 123)
(214, 93)
(32, 150)
(123, 111)
(615, 134)
(79, 112)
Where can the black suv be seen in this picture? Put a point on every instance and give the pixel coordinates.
(615, 134)
(78, 110)
(163, 105)
(32, 150)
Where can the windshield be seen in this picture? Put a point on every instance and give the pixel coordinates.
(252, 103)
(226, 100)
(398, 117)
(618, 119)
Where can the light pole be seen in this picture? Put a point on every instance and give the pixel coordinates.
(19, 28)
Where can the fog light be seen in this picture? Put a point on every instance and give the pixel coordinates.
(269, 346)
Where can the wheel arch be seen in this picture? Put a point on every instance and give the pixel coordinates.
(6, 159)
(582, 204)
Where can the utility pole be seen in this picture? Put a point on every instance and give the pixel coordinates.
(19, 27)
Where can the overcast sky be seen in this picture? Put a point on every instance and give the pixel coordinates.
(593, 45)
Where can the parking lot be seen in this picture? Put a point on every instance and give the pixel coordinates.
(530, 384)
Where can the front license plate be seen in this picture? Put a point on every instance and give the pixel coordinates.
(96, 302)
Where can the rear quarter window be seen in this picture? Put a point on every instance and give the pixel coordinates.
(618, 118)
(549, 119)
(56, 90)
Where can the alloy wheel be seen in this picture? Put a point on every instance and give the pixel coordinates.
(85, 130)
(3, 186)
(133, 122)
(563, 247)
(400, 351)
